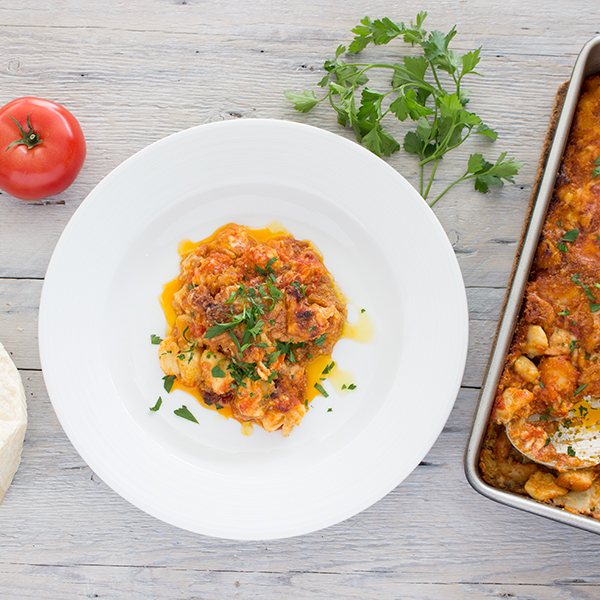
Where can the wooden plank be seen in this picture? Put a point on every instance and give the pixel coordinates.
(19, 304)
(171, 583)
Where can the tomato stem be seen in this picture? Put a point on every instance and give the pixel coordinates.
(30, 138)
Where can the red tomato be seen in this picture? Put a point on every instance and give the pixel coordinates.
(56, 154)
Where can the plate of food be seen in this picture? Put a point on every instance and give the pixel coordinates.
(253, 329)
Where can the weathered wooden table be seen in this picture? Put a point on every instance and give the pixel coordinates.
(133, 72)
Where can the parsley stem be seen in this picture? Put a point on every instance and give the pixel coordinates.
(431, 177)
(436, 76)
(450, 187)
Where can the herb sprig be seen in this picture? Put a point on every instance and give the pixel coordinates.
(417, 93)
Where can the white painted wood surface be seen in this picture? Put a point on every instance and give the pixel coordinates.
(135, 71)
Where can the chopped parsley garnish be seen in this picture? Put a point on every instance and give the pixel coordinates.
(157, 405)
(586, 289)
(547, 442)
(570, 236)
(256, 303)
(596, 171)
(571, 452)
(583, 411)
(299, 287)
(542, 385)
(562, 247)
(574, 344)
(189, 352)
(219, 328)
(275, 292)
(285, 349)
(328, 368)
(155, 339)
(240, 370)
(564, 313)
(217, 372)
(594, 306)
(184, 413)
(267, 270)
(321, 390)
(330, 410)
(580, 389)
(168, 382)
(319, 340)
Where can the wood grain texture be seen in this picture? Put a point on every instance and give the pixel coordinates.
(134, 72)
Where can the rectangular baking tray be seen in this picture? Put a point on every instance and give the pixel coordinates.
(588, 62)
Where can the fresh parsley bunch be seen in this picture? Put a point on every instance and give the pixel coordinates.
(443, 122)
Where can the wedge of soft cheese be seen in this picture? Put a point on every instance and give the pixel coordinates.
(13, 420)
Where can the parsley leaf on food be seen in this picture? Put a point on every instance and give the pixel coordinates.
(319, 340)
(571, 235)
(217, 372)
(168, 380)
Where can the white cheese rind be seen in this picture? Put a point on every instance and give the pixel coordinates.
(13, 420)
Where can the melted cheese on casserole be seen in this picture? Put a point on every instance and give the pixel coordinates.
(249, 316)
(554, 356)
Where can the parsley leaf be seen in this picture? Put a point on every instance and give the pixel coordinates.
(596, 171)
(157, 405)
(184, 413)
(570, 236)
(155, 339)
(321, 390)
(319, 340)
(169, 380)
(217, 372)
(302, 102)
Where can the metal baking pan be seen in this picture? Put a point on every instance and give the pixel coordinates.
(587, 63)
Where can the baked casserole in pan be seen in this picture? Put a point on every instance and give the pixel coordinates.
(544, 373)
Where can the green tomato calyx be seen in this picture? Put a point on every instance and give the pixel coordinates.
(29, 138)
